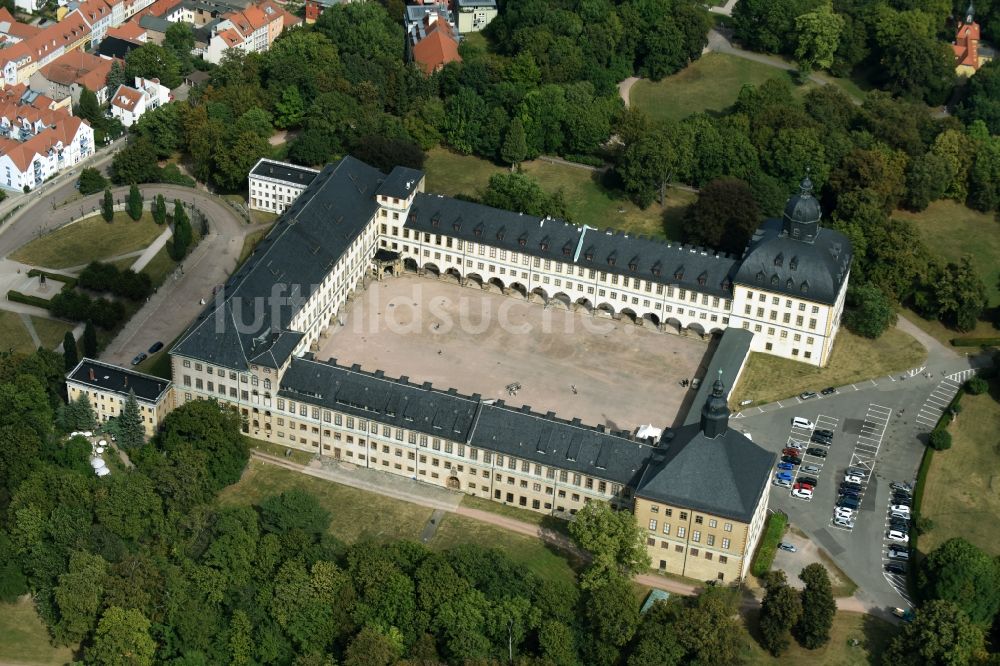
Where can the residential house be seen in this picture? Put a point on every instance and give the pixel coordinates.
(316, 7)
(12, 31)
(70, 74)
(130, 31)
(474, 15)
(970, 52)
(252, 30)
(108, 387)
(129, 103)
(98, 15)
(26, 57)
(28, 159)
(431, 37)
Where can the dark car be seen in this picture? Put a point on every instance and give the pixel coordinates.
(899, 527)
(847, 485)
(806, 395)
(791, 459)
(812, 481)
(157, 346)
(852, 494)
(901, 496)
(823, 432)
(829, 390)
(898, 485)
(848, 502)
(139, 358)
(895, 568)
(820, 439)
(819, 453)
(900, 501)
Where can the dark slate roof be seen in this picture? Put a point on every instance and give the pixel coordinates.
(289, 173)
(729, 356)
(400, 183)
(115, 47)
(244, 324)
(554, 442)
(154, 23)
(812, 271)
(395, 402)
(685, 266)
(724, 476)
(119, 380)
(476, 3)
(517, 432)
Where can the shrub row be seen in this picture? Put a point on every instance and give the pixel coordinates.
(98, 276)
(68, 281)
(18, 297)
(773, 531)
(975, 342)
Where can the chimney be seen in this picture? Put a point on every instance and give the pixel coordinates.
(92, 376)
(126, 381)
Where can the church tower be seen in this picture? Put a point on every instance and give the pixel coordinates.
(715, 413)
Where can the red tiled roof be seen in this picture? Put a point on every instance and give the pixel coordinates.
(126, 97)
(130, 31)
(22, 153)
(436, 49)
(79, 67)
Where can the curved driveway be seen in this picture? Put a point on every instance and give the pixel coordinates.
(169, 310)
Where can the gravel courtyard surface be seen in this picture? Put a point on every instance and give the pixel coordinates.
(478, 342)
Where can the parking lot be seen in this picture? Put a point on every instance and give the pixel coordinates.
(875, 431)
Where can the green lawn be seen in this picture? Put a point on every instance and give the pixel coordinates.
(870, 634)
(768, 378)
(952, 230)
(89, 240)
(160, 266)
(544, 560)
(50, 331)
(710, 84)
(14, 334)
(517, 513)
(944, 335)
(360, 515)
(962, 493)
(25, 640)
(588, 202)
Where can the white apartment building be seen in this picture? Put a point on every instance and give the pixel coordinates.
(275, 185)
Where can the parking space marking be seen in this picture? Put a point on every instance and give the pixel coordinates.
(939, 398)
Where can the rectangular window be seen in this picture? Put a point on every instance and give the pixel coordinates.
(666, 528)
(696, 536)
(652, 524)
(725, 544)
(728, 527)
(723, 559)
(710, 539)
(681, 531)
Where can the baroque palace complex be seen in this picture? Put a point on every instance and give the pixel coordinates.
(701, 489)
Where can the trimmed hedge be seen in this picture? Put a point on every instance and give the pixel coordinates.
(975, 342)
(18, 297)
(68, 282)
(773, 531)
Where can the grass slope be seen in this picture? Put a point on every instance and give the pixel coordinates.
(359, 515)
(961, 495)
(51, 331)
(89, 240)
(588, 202)
(952, 230)
(24, 639)
(768, 378)
(14, 334)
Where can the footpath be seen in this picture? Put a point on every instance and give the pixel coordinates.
(440, 499)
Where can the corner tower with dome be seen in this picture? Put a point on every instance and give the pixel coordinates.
(790, 288)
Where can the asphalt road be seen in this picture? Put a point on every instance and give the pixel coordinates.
(880, 424)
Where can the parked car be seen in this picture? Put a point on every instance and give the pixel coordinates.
(820, 439)
(843, 522)
(854, 471)
(806, 395)
(800, 485)
(790, 547)
(842, 512)
(810, 480)
(895, 568)
(898, 514)
(829, 390)
(799, 422)
(695, 383)
(787, 476)
(852, 479)
(819, 453)
(848, 485)
(139, 358)
(791, 459)
(802, 493)
(905, 614)
(790, 451)
(783, 483)
(897, 536)
(823, 432)
(156, 346)
(784, 465)
(899, 485)
(897, 553)
(849, 502)
(900, 508)
(849, 494)
(811, 469)
(902, 501)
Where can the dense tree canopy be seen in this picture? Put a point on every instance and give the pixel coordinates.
(960, 573)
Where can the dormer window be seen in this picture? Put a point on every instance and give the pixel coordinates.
(679, 273)
(774, 279)
(522, 241)
(805, 287)
(611, 260)
(456, 225)
(760, 276)
(436, 221)
(632, 266)
(500, 233)
(478, 231)
(779, 260)
(567, 249)
(545, 243)
(793, 263)
(789, 283)
(703, 278)
(589, 254)
(727, 285)
(656, 270)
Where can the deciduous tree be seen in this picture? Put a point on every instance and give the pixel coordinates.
(869, 311)
(122, 639)
(959, 572)
(818, 608)
(940, 635)
(521, 193)
(91, 181)
(779, 612)
(617, 545)
(724, 216)
(817, 36)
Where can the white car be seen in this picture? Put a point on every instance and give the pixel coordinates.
(802, 493)
(900, 508)
(850, 478)
(896, 535)
(796, 445)
(842, 512)
(844, 522)
(799, 422)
